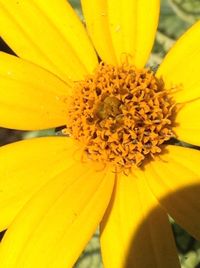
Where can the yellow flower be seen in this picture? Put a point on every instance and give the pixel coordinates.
(54, 191)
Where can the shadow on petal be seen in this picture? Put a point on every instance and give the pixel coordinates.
(153, 244)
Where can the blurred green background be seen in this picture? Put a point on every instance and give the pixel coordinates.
(176, 16)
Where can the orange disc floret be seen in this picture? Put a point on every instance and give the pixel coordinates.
(121, 115)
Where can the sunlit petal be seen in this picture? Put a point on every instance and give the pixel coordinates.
(180, 68)
(187, 127)
(48, 34)
(122, 30)
(175, 181)
(26, 166)
(30, 97)
(135, 231)
(47, 231)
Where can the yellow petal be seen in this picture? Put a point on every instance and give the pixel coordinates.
(174, 179)
(48, 34)
(181, 66)
(135, 231)
(26, 166)
(30, 97)
(53, 228)
(188, 124)
(95, 13)
(122, 30)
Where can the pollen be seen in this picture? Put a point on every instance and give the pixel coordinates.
(121, 115)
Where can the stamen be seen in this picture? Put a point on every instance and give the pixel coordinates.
(121, 115)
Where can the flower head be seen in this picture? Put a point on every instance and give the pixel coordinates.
(113, 166)
(120, 115)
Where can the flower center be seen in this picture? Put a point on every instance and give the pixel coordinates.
(121, 115)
